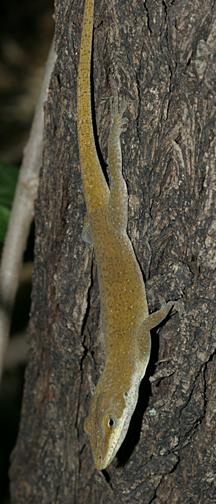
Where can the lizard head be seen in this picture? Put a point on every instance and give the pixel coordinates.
(108, 422)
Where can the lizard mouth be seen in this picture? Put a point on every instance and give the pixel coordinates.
(115, 443)
(119, 433)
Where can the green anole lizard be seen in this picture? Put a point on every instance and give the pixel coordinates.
(126, 322)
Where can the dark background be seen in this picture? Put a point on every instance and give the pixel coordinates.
(25, 34)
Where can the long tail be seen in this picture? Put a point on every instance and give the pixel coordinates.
(94, 184)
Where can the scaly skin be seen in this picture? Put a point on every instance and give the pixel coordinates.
(125, 318)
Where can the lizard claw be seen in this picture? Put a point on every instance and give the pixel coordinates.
(117, 108)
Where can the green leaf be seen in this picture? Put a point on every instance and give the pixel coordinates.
(8, 180)
(4, 218)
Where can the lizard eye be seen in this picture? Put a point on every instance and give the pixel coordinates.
(111, 422)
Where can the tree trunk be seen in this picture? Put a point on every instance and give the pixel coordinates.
(161, 56)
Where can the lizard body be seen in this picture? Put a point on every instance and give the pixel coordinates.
(126, 322)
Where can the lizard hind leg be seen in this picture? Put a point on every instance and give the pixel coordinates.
(117, 109)
(118, 200)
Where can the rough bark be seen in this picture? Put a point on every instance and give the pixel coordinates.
(161, 55)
